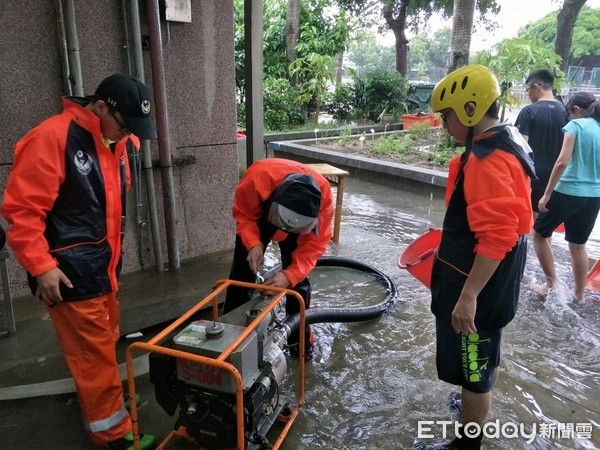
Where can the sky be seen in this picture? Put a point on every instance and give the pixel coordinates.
(514, 15)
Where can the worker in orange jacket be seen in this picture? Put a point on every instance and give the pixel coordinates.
(65, 203)
(286, 202)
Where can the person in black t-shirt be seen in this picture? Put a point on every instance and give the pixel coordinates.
(541, 124)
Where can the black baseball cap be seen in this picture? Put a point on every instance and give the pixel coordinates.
(131, 98)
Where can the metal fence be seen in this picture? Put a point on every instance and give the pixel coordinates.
(581, 77)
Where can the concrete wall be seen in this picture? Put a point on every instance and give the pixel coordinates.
(200, 90)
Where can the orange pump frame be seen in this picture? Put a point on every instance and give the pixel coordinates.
(153, 345)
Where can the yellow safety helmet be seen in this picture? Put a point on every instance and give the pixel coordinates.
(472, 83)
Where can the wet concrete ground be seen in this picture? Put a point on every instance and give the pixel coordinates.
(38, 406)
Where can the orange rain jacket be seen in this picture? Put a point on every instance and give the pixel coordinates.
(497, 192)
(65, 201)
(488, 213)
(254, 189)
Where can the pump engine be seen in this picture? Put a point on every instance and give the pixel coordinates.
(206, 395)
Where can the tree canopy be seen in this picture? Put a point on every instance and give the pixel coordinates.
(321, 31)
(512, 59)
(410, 15)
(367, 55)
(585, 49)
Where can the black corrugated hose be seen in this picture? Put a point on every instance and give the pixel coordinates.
(353, 314)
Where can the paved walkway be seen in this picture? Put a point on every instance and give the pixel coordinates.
(31, 358)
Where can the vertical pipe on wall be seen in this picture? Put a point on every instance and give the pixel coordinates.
(136, 171)
(162, 124)
(147, 170)
(127, 36)
(64, 54)
(73, 50)
(253, 48)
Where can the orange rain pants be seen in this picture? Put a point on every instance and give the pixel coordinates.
(88, 331)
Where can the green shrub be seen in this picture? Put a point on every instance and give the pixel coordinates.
(340, 104)
(281, 106)
(241, 114)
(446, 149)
(385, 92)
(391, 145)
(345, 135)
(419, 130)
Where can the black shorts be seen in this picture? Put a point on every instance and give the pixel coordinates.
(577, 213)
(467, 361)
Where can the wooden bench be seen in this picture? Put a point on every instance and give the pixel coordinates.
(337, 177)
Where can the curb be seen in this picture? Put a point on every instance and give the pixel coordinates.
(360, 163)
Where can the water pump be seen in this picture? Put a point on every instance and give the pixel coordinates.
(206, 396)
(224, 376)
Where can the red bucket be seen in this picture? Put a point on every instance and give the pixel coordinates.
(418, 257)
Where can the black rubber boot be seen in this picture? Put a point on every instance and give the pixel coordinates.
(309, 344)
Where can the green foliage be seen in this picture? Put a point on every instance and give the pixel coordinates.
(341, 103)
(360, 96)
(429, 51)
(314, 72)
(367, 55)
(391, 145)
(241, 114)
(345, 134)
(411, 15)
(418, 11)
(324, 32)
(586, 39)
(512, 59)
(369, 97)
(385, 92)
(321, 32)
(446, 149)
(280, 105)
(418, 131)
(407, 144)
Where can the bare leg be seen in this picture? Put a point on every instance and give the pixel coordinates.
(475, 407)
(543, 250)
(580, 267)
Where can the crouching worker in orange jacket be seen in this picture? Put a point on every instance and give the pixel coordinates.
(65, 202)
(283, 201)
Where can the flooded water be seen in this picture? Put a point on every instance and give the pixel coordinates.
(371, 382)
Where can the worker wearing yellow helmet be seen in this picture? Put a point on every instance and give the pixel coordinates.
(479, 265)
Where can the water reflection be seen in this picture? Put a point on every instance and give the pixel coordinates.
(371, 382)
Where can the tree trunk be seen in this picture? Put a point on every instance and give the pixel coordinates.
(564, 30)
(462, 27)
(292, 32)
(339, 70)
(398, 26)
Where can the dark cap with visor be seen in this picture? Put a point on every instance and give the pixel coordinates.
(131, 98)
(296, 204)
